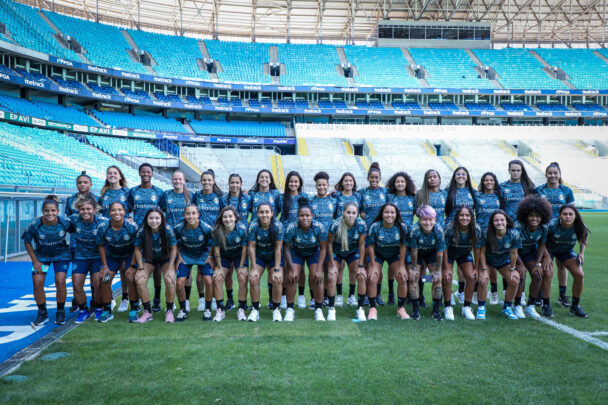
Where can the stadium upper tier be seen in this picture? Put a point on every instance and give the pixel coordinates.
(300, 64)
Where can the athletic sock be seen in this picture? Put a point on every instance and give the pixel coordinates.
(461, 285)
(507, 304)
(562, 290)
(301, 290)
(42, 307)
(531, 301)
(318, 305)
(325, 294)
(391, 286)
(256, 304)
(331, 300)
(220, 304)
(505, 284)
(339, 289)
(270, 290)
(517, 301)
(493, 287)
(229, 294)
(447, 303)
(312, 294)
(360, 299)
(182, 304)
(169, 306)
(351, 289)
(378, 289)
(436, 303)
(134, 305)
(290, 305)
(276, 305)
(546, 301)
(157, 292)
(421, 287)
(208, 305)
(201, 294)
(107, 306)
(81, 307)
(416, 304)
(401, 302)
(188, 289)
(147, 306)
(479, 304)
(468, 303)
(125, 296)
(60, 305)
(576, 300)
(372, 302)
(242, 304)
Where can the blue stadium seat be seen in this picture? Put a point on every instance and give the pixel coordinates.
(238, 128)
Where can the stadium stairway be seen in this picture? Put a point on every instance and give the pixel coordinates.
(479, 65)
(412, 62)
(302, 147)
(276, 164)
(548, 69)
(59, 37)
(134, 49)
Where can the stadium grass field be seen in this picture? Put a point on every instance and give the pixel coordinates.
(388, 361)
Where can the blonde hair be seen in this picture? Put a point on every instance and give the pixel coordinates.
(342, 231)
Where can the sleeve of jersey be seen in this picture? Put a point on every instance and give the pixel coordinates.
(411, 238)
(162, 202)
(99, 238)
(333, 228)
(516, 239)
(543, 236)
(404, 237)
(28, 234)
(371, 235)
(289, 233)
(479, 239)
(441, 245)
(322, 233)
(251, 233)
(171, 235)
(569, 196)
(280, 230)
(138, 237)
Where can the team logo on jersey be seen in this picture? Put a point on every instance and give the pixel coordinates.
(396, 236)
(184, 238)
(506, 190)
(380, 237)
(433, 241)
(298, 239)
(138, 197)
(573, 236)
(313, 239)
(126, 237)
(409, 204)
(244, 205)
(442, 200)
(382, 198)
(78, 230)
(237, 239)
(508, 245)
(200, 238)
(215, 200)
(366, 198)
(153, 198)
(420, 241)
(61, 233)
(169, 200)
(123, 198)
(42, 236)
(561, 197)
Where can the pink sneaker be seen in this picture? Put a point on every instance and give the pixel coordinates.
(145, 317)
(402, 314)
(372, 315)
(169, 318)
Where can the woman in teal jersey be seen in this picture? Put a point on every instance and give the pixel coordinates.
(83, 184)
(265, 191)
(155, 246)
(564, 231)
(386, 240)
(288, 201)
(265, 236)
(432, 195)
(499, 250)
(173, 202)
(48, 233)
(241, 202)
(346, 244)
(85, 260)
(305, 242)
(346, 192)
(462, 236)
(371, 198)
(533, 215)
(557, 194)
(115, 241)
(230, 252)
(402, 193)
(427, 247)
(115, 190)
(194, 244)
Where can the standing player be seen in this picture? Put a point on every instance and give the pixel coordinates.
(173, 202)
(83, 184)
(557, 194)
(141, 199)
(562, 236)
(386, 243)
(265, 236)
(305, 241)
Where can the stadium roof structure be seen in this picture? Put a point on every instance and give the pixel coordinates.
(514, 22)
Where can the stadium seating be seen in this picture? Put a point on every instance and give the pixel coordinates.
(479, 106)
(137, 93)
(46, 110)
(103, 89)
(33, 76)
(241, 62)
(202, 100)
(449, 68)
(168, 97)
(552, 107)
(238, 128)
(175, 55)
(110, 51)
(310, 65)
(443, 106)
(124, 146)
(588, 107)
(399, 105)
(518, 69)
(586, 70)
(515, 107)
(380, 67)
(139, 121)
(29, 30)
(70, 83)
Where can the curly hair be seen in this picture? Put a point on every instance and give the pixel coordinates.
(534, 203)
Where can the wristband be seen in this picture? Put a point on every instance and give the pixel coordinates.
(361, 266)
(483, 269)
(140, 269)
(276, 269)
(104, 267)
(513, 268)
(538, 265)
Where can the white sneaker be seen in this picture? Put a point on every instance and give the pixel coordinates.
(187, 305)
(331, 314)
(494, 298)
(276, 315)
(289, 315)
(113, 305)
(519, 312)
(468, 313)
(452, 302)
(254, 315)
(312, 304)
(201, 304)
(352, 300)
(283, 302)
(213, 305)
(219, 315)
(240, 315)
(461, 297)
(523, 299)
(339, 301)
(448, 313)
(124, 306)
(301, 302)
(530, 311)
(474, 299)
(361, 315)
(319, 315)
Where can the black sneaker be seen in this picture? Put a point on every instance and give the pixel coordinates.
(547, 311)
(379, 300)
(578, 311)
(538, 302)
(422, 302)
(41, 318)
(74, 307)
(437, 314)
(156, 304)
(60, 317)
(391, 298)
(416, 314)
(229, 304)
(563, 301)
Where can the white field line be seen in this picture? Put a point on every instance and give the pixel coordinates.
(597, 333)
(577, 334)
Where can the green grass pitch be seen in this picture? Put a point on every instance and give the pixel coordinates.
(383, 362)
